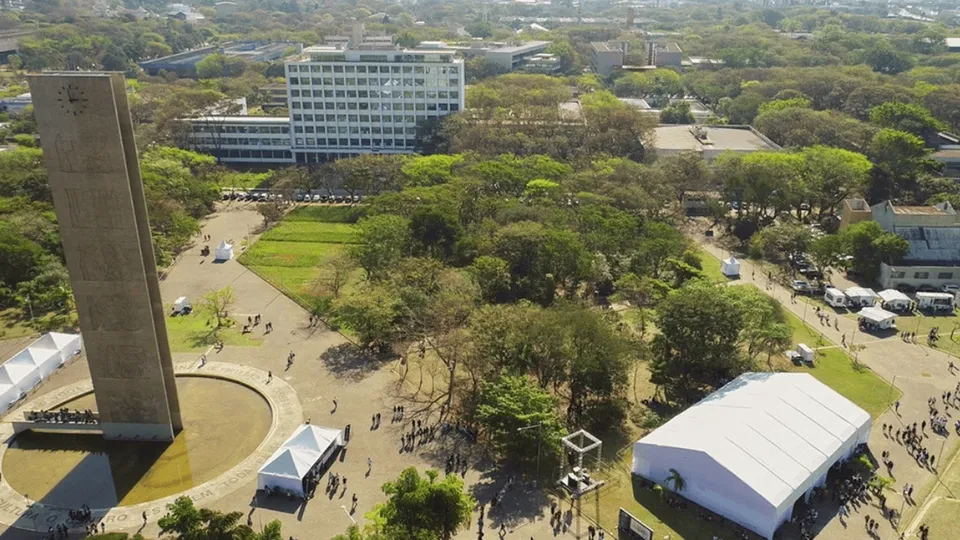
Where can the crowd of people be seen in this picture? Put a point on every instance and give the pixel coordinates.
(64, 416)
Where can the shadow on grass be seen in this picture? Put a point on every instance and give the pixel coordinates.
(347, 361)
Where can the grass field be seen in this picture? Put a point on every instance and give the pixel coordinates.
(312, 231)
(194, 332)
(328, 214)
(711, 266)
(835, 369)
(290, 255)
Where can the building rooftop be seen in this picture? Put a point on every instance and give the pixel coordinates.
(671, 47)
(242, 119)
(919, 210)
(734, 138)
(603, 46)
(521, 48)
(953, 42)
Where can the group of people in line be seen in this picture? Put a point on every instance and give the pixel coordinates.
(63, 416)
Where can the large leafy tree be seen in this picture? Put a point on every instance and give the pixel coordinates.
(185, 521)
(697, 349)
(899, 158)
(383, 241)
(424, 508)
(870, 245)
(907, 117)
(507, 407)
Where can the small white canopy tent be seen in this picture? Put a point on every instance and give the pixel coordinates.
(753, 448)
(880, 317)
(286, 470)
(834, 297)
(861, 296)
(308, 447)
(730, 267)
(224, 251)
(935, 300)
(894, 299)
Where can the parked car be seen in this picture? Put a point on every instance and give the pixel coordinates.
(950, 288)
(300, 197)
(800, 286)
(926, 288)
(906, 288)
(226, 196)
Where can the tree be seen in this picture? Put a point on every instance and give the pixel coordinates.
(372, 313)
(677, 113)
(271, 212)
(211, 66)
(335, 273)
(697, 348)
(509, 404)
(679, 484)
(832, 175)
(907, 117)
(187, 522)
(565, 51)
(419, 508)
(479, 29)
(778, 242)
(217, 304)
(899, 158)
(435, 232)
(383, 240)
(870, 245)
(884, 58)
(492, 275)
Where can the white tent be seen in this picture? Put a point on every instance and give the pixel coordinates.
(878, 316)
(9, 393)
(224, 251)
(935, 300)
(894, 299)
(29, 367)
(753, 448)
(730, 267)
(308, 447)
(861, 297)
(22, 373)
(45, 361)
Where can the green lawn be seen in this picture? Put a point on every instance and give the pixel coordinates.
(711, 265)
(194, 332)
(329, 214)
(289, 254)
(14, 325)
(835, 369)
(312, 231)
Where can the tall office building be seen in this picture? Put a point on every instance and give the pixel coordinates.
(346, 101)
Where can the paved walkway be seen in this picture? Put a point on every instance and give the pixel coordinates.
(919, 372)
(335, 388)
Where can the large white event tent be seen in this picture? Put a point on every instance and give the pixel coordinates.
(753, 448)
(861, 296)
(28, 368)
(291, 463)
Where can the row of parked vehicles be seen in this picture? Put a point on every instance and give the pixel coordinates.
(268, 196)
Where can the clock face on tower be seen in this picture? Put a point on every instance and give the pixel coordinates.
(72, 100)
